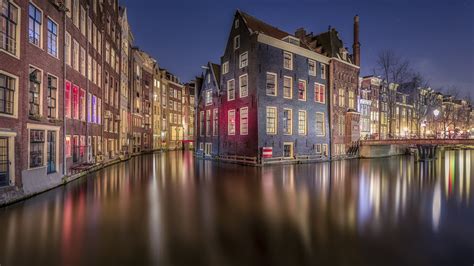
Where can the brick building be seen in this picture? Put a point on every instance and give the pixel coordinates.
(172, 122)
(189, 113)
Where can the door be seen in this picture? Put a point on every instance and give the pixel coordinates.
(288, 150)
(208, 149)
(51, 160)
(4, 163)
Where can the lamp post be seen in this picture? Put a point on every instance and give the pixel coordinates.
(423, 125)
(436, 114)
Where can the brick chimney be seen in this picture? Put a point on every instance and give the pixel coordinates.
(300, 33)
(356, 45)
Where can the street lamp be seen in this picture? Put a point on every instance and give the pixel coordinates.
(436, 114)
(423, 125)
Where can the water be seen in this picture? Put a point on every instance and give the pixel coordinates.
(171, 209)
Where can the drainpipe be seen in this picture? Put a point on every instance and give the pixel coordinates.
(88, 85)
(64, 10)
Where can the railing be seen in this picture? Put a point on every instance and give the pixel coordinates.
(236, 158)
(419, 142)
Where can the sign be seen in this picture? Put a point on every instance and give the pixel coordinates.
(267, 152)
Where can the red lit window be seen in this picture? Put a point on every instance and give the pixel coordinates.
(75, 101)
(319, 93)
(68, 99)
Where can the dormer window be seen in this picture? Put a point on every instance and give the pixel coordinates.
(236, 24)
(237, 42)
(292, 40)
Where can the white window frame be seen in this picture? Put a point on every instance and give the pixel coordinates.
(229, 98)
(300, 132)
(290, 67)
(241, 62)
(230, 124)
(276, 83)
(275, 129)
(241, 94)
(244, 112)
(290, 126)
(236, 42)
(323, 71)
(15, 95)
(324, 124)
(305, 90)
(291, 87)
(312, 73)
(225, 67)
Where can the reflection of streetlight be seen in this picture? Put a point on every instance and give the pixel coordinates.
(406, 132)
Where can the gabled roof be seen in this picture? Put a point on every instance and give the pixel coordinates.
(256, 25)
(216, 69)
(331, 45)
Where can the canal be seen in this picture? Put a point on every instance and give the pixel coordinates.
(172, 209)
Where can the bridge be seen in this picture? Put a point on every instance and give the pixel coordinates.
(426, 148)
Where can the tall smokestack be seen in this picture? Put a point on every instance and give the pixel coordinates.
(356, 45)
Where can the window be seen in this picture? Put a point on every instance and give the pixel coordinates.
(36, 148)
(319, 93)
(225, 67)
(231, 90)
(52, 38)
(208, 97)
(271, 84)
(341, 97)
(75, 102)
(34, 92)
(89, 107)
(302, 123)
(320, 124)
(302, 90)
(52, 96)
(215, 123)
(323, 71)
(237, 42)
(51, 152)
(68, 49)
(34, 25)
(75, 50)
(94, 109)
(208, 123)
(311, 67)
(82, 103)
(83, 21)
(244, 121)
(271, 120)
(287, 121)
(67, 95)
(8, 27)
(243, 86)
(7, 94)
(201, 123)
(243, 62)
(231, 122)
(236, 24)
(83, 61)
(287, 87)
(76, 13)
(67, 144)
(288, 60)
(351, 99)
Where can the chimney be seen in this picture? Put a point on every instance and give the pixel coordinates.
(300, 33)
(356, 45)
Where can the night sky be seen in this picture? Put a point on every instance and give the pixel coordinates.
(437, 36)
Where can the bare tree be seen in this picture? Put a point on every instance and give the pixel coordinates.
(393, 69)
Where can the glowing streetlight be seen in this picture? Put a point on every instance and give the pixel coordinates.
(436, 112)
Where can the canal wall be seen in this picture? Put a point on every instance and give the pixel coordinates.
(34, 186)
(379, 151)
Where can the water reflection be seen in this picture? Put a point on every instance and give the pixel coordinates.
(170, 209)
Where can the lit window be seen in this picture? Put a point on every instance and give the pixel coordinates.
(208, 123)
(287, 87)
(287, 121)
(271, 86)
(230, 90)
(302, 123)
(225, 67)
(302, 90)
(271, 120)
(231, 122)
(68, 146)
(351, 99)
(68, 49)
(75, 101)
(215, 122)
(320, 124)
(75, 50)
(68, 99)
(244, 121)
(82, 103)
(341, 97)
(243, 62)
(319, 93)
(34, 25)
(201, 123)
(243, 86)
(288, 60)
(311, 67)
(208, 97)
